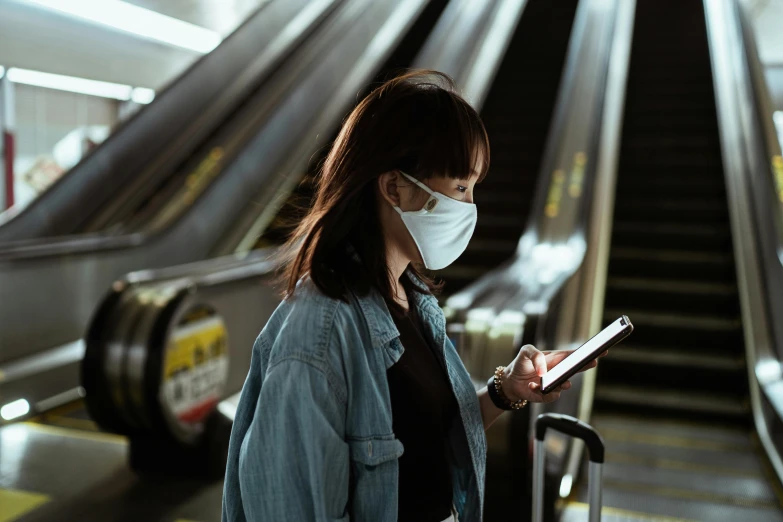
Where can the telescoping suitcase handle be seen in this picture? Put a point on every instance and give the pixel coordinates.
(595, 449)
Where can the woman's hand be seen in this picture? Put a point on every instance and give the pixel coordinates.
(522, 378)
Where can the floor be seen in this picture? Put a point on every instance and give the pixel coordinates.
(60, 468)
(680, 471)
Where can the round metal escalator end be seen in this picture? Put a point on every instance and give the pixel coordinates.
(98, 398)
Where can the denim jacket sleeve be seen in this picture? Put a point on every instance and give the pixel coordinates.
(289, 461)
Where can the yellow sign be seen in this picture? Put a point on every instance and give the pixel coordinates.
(195, 344)
(777, 168)
(195, 368)
(555, 194)
(577, 175)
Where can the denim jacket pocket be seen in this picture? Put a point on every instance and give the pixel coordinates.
(372, 451)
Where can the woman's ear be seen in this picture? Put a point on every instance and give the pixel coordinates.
(387, 186)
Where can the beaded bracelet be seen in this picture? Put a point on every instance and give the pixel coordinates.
(495, 390)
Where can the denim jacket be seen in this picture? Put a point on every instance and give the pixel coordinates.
(312, 437)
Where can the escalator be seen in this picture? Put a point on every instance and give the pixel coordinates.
(233, 291)
(155, 140)
(231, 175)
(672, 403)
(517, 116)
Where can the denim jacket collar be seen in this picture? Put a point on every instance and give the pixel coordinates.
(383, 331)
(382, 328)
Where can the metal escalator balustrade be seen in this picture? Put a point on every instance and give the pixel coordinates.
(760, 269)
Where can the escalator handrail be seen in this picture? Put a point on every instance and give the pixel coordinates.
(744, 154)
(116, 163)
(464, 22)
(769, 145)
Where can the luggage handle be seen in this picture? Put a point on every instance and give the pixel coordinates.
(595, 449)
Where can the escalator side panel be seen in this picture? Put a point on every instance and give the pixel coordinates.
(517, 114)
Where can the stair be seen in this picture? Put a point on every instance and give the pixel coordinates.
(671, 267)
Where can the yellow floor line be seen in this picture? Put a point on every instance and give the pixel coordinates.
(63, 410)
(692, 495)
(67, 408)
(15, 503)
(683, 465)
(76, 434)
(69, 422)
(606, 510)
(639, 422)
(616, 435)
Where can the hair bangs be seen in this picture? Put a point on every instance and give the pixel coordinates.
(454, 141)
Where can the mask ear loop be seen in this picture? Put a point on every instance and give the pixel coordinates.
(432, 202)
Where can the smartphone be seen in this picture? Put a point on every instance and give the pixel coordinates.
(598, 344)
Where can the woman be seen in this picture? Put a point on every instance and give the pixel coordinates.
(356, 406)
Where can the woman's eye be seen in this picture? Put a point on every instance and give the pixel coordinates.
(462, 189)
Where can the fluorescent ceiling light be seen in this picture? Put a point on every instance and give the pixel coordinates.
(15, 409)
(61, 82)
(70, 83)
(137, 21)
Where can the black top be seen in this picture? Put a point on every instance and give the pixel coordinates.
(423, 408)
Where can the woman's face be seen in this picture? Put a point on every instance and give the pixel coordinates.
(397, 190)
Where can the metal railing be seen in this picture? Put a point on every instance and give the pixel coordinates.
(750, 154)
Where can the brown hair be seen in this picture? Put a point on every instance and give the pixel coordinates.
(415, 122)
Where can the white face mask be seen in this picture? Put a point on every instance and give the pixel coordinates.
(441, 229)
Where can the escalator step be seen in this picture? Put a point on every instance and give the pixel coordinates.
(695, 237)
(672, 402)
(661, 189)
(654, 123)
(676, 208)
(663, 356)
(708, 265)
(715, 298)
(697, 333)
(645, 368)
